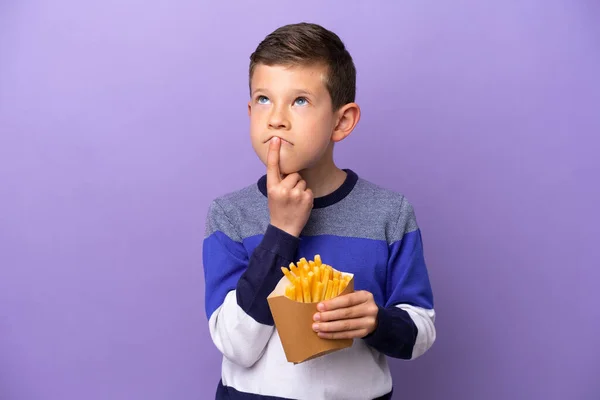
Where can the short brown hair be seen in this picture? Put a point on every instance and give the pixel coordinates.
(306, 43)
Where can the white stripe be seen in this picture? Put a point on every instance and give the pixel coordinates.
(424, 319)
(238, 336)
(355, 373)
(254, 361)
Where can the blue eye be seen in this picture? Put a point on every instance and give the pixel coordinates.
(262, 100)
(301, 101)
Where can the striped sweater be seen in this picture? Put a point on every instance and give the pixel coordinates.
(360, 228)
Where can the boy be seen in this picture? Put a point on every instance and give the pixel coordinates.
(302, 85)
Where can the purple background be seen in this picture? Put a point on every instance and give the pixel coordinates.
(120, 121)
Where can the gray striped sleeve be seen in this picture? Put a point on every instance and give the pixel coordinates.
(217, 220)
(407, 221)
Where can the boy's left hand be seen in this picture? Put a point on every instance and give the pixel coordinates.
(346, 317)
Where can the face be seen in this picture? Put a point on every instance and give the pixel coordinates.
(293, 104)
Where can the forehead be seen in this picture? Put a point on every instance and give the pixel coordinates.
(290, 77)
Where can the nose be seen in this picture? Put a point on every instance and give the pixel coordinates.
(278, 119)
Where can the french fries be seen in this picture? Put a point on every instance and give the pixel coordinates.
(313, 281)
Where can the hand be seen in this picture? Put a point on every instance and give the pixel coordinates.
(349, 316)
(290, 202)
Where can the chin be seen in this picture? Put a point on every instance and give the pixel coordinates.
(287, 171)
(290, 169)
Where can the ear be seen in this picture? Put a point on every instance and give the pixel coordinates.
(249, 108)
(347, 118)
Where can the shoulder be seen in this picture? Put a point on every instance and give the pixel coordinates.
(244, 197)
(230, 212)
(372, 192)
(382, 198)
(387, 204)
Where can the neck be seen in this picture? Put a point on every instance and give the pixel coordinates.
(324, 177)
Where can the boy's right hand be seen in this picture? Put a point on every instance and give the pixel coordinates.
(290, 201)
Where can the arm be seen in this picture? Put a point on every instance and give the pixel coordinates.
(236, 287)
(406, 323)
(241, 324)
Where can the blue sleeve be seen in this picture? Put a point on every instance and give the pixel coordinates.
(276, 249)
(227, 266)
(237, 285)
(409, 303)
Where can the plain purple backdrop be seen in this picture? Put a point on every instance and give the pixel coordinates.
(121, 120)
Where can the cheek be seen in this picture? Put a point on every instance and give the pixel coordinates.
(255, 125)
(256, 138)
(318, 129)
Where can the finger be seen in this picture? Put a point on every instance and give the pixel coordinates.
(344, 325)
(273, 172)
(344, 301)
(342, 313)
(298, 190)
(355, 334)
(309, 194)
(291, 180)
(301, 185)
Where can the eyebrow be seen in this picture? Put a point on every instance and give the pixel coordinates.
(259, 90)
(295, 92)
(304, 91)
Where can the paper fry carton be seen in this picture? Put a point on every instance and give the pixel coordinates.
(293, 321)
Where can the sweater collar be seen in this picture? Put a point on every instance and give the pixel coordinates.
(324, 201)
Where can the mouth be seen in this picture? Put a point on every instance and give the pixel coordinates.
(283, 141)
